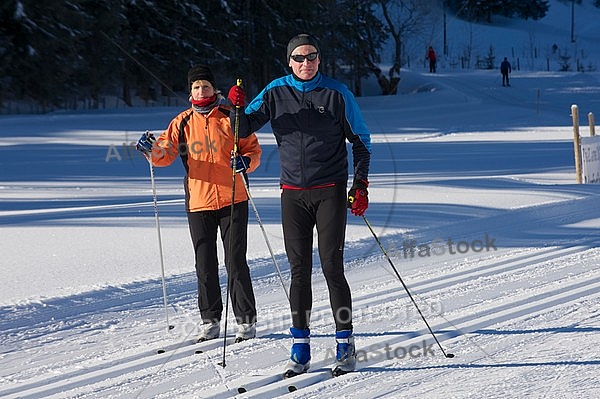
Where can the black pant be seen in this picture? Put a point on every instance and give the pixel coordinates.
(203, 229)
(504, 78)
(301, 210)
(431, 66)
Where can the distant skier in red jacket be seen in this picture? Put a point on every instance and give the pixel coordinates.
(432, 59)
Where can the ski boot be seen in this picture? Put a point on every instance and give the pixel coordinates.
(300, 357)
(245, 332)
(345, 358)
(210, 330)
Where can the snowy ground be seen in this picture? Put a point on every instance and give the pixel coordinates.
(456, 157)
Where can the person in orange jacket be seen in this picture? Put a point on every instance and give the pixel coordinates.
(202, 136)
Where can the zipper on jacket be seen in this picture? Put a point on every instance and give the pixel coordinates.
(210, 156)
(302, 149)
(206, 139)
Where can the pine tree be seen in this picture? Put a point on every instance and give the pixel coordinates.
(98, 73)
(46, 55)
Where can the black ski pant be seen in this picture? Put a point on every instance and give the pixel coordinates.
(301, 211)
(203, 229)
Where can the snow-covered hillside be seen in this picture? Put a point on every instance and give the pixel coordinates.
(467, 160)
(515, 295)
(529, 45)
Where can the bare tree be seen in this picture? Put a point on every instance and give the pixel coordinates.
(403, 19)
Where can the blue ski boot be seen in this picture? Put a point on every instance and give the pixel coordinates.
(345, 358)
(300, 357)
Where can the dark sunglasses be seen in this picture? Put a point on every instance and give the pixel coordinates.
(300, 58)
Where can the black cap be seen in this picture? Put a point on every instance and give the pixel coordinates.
(301, 40)
(200, 72)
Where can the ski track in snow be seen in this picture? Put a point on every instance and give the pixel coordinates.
(484, 298)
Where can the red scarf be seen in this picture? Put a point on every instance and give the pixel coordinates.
(203, 102)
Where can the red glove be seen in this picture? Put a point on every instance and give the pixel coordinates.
(236, 96)
(358, 200)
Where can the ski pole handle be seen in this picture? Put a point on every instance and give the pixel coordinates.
(236, 127)
(238, 84)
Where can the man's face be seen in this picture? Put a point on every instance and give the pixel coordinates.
(303, 67)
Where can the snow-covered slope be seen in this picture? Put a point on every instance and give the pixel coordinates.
(487, 167)
(514, 296)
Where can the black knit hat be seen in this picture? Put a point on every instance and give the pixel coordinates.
(200, 72)
(301, 40)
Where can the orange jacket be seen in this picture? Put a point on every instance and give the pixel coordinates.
(205, 147)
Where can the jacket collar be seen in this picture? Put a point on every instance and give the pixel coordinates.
(305, 85)
(206, 110)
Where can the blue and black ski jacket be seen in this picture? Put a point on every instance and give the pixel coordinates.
(311, 121)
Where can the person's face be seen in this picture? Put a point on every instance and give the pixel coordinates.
(202, 89)
(306, 69)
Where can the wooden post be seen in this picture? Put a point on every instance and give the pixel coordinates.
(576, 144)
(591, 123)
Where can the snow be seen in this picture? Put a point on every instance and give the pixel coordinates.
(455, 157)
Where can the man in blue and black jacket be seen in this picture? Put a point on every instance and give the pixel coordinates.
(312, 116)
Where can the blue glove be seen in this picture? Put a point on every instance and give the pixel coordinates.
(242, 163)
(145, 143)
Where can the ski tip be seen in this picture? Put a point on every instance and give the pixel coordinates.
(160, 351)
(198, 351)
(171, 327)
(242, 390)
(292, 388)
(450, 355)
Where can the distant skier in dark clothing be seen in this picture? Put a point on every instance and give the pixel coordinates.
(505, 70)
(432, 59)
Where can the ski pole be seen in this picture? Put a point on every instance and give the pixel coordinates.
(236, 132)
(262, 227)
(449, 355)
(160, 249)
